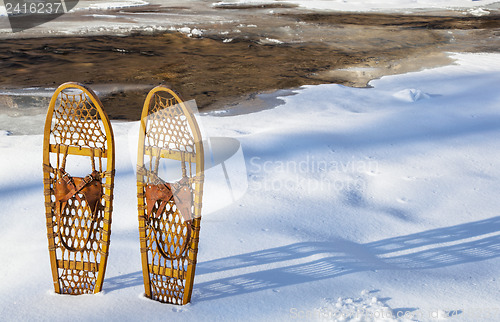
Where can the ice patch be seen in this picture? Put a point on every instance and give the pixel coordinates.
(391, 6)
(217, 112)
(103, 16)
(270, 41)
(28, 91)
(190, 32)
(222, 4)
(411, 95)
(106, 5)
(478, 12)
(197, 32)
(185, 30)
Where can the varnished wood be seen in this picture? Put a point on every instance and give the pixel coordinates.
(181, 270)
(71, 112)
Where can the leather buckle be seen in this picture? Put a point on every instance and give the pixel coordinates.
(88, 179)
(66, 177)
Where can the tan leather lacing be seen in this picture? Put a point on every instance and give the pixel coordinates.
(78, 209)
(170, 228)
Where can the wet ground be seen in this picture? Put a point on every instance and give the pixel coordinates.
(240, 51)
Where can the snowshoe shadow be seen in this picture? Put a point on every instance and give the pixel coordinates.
(123, 281)
(432, 249)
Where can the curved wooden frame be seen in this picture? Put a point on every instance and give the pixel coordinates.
(198, 192)
(109, 154)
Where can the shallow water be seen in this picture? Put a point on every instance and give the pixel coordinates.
(223, 56)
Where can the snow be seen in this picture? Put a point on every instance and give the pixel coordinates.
(106, 5)
(270, 41)
(349, 204)
(478, 12)
(104, 21)
(475, 7)
(190, 32)
(372, 5)
(411, 95)
(343, 5)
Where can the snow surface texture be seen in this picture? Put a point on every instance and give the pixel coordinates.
(103, 21)
(375, 5)
(105, 5)
(370, 204)
(341, 5)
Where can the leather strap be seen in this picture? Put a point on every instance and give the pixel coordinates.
(183, 197)
(91, 194)
(162, 191)
(94, 176)
(157, 192)
(74, 189)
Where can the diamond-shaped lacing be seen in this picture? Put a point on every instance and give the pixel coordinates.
(166, 233)
(170, 231)
(167, 289)
(77, 122)
(79, 228)
(77, 282)
(168, 127)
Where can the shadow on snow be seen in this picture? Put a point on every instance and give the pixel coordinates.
(471, 242)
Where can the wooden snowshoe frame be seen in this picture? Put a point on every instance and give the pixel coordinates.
(169, 131)
(77, 127)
